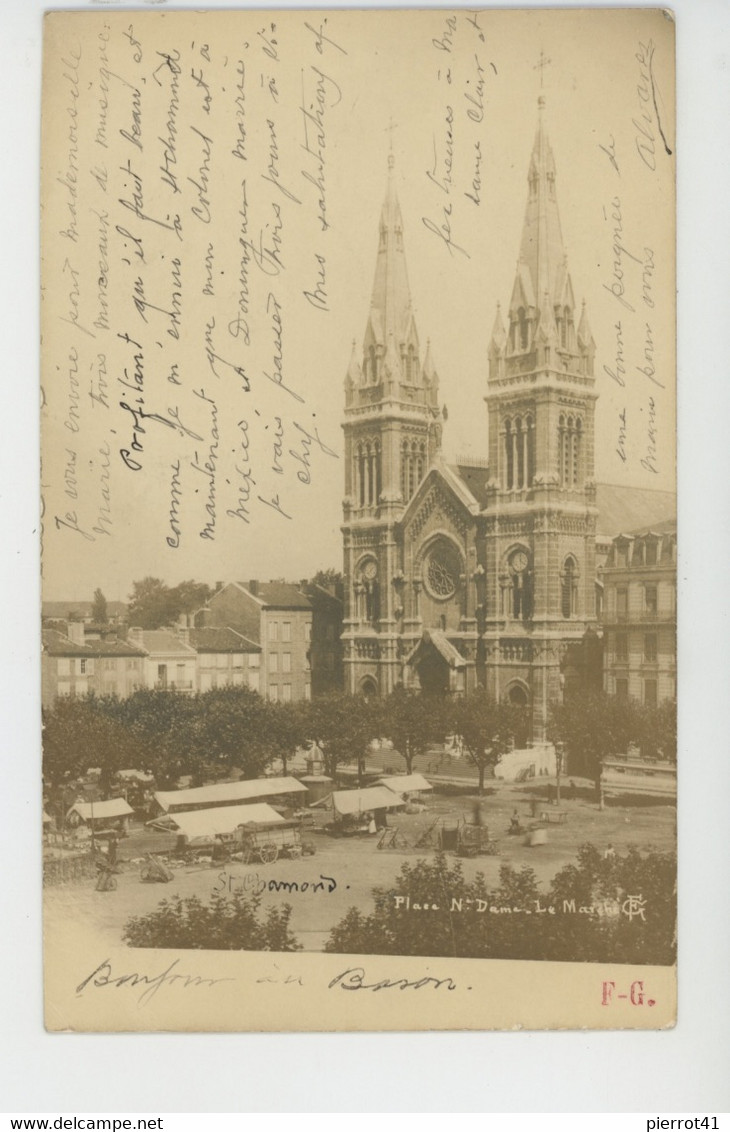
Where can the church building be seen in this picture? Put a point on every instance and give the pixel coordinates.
(478, 575)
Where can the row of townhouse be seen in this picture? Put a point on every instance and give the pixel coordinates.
(271, 637)
(640, 615)
(157, 658)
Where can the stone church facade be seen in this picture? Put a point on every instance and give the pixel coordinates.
(479, 575)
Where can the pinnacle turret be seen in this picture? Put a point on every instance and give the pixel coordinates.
(585, 335)
(499, 334)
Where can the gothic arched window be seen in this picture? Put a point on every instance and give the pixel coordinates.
(522, 320)
(404, 471)
(509, 454)
(377, 472)
(373, 364)
(421, 463)
(570, 435)
(361, 474)
(576, 450)
(519, 453)
(568, 587)
(530, 458)
(411, 365)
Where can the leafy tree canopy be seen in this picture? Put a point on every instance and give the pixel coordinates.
(329, 579)
(99, 612)
(153, 604)
(413, 722)
(619, 910)
(594, 727)
(487, 729)
(225, 923)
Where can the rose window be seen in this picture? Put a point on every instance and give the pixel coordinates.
(442, 570)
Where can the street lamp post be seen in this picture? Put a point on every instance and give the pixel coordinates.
(559, 752)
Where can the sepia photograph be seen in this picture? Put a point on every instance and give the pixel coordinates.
(359, 547)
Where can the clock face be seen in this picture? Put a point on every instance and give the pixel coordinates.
(370, 570)
(519, 561)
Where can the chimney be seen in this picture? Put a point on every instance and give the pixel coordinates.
(183, 633)
(136, 635)
(253, 587)
(218, 586)
(75, 632)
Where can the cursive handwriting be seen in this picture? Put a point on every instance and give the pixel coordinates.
(354, 979)
(103, 976)
(648, 116)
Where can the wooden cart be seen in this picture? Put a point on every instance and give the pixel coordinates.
(266, 843)
(474, 841)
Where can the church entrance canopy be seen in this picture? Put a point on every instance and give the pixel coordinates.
(439, 666)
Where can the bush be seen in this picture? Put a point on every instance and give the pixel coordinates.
(619, 910)
(226, 923)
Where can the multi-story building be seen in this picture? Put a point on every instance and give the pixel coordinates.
(277, 617)
(224, 657)
(326, 638)
(169, 662)
(73, 666)
(640, 615)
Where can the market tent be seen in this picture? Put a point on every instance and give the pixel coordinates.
(406, 783)
(200, 824)
(140, 775)
(369, 798)
(101, 811)
(227, 793)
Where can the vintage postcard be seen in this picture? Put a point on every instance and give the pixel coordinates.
(359, 543)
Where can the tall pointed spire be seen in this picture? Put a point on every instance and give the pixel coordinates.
(391, 327)
(541, 250)
(542, 304)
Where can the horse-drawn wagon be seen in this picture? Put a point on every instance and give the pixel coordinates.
(267, 842)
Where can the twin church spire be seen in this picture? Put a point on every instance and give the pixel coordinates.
(391, 357)
(541, 316)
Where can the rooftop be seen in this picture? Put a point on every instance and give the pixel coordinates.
(221, 639)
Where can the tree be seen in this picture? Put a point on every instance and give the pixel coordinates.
(204, 735)
(413, 722)
(229, 729)
(593, 727)
(620, 910)
(659, 731)
(329, 579)
(487, 729)
(343, 726)
(226, 923)
(152, 604)
(286, 727)
(191, 595)
(99, 613)
(78, 734)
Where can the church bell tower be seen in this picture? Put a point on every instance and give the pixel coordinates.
(392, 432)
(539, 550)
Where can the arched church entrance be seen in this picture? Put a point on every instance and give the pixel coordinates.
(518, 695)
(438, 665)
(369, 688)
(434, 674)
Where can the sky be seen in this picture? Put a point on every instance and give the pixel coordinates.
(431, 85)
